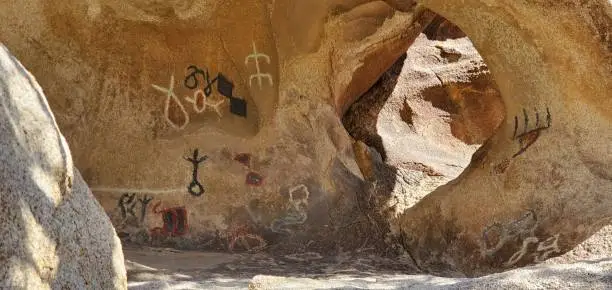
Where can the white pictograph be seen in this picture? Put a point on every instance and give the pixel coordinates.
(259, 75)
(542, 252)
(522, 252)
(201, 102)
(298, 196)
(297, 211)
(198, 101)
(216, 107)
(171, 97)
(547, 248)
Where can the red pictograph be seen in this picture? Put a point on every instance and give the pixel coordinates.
(175, 221)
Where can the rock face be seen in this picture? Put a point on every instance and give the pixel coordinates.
(541, 184)
(425, 117)
(216, 124)
(216, 129)
(54, 233)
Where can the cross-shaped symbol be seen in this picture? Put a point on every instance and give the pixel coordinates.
(195, 187)
(259, 75)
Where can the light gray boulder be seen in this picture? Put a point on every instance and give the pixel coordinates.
(53, 233)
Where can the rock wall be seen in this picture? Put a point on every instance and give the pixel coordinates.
(214, 124)
(542, 183)
(425, 118)
(54, 233)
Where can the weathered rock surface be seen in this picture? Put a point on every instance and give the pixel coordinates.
(426, 116)
(54, 233)
(597, 247)
(133, 85)
(415, 84)
(129, 91)
(432, 109)
(542, 183)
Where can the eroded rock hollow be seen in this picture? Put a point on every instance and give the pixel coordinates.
(217, 124)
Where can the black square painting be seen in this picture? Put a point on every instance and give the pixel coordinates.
(225, 86)
(238, 107)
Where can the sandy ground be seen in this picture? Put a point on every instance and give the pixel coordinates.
(589, 266)
(188, 270)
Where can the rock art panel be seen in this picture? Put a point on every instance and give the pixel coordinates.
(536, 160)
(141, 84)
(163, 91)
